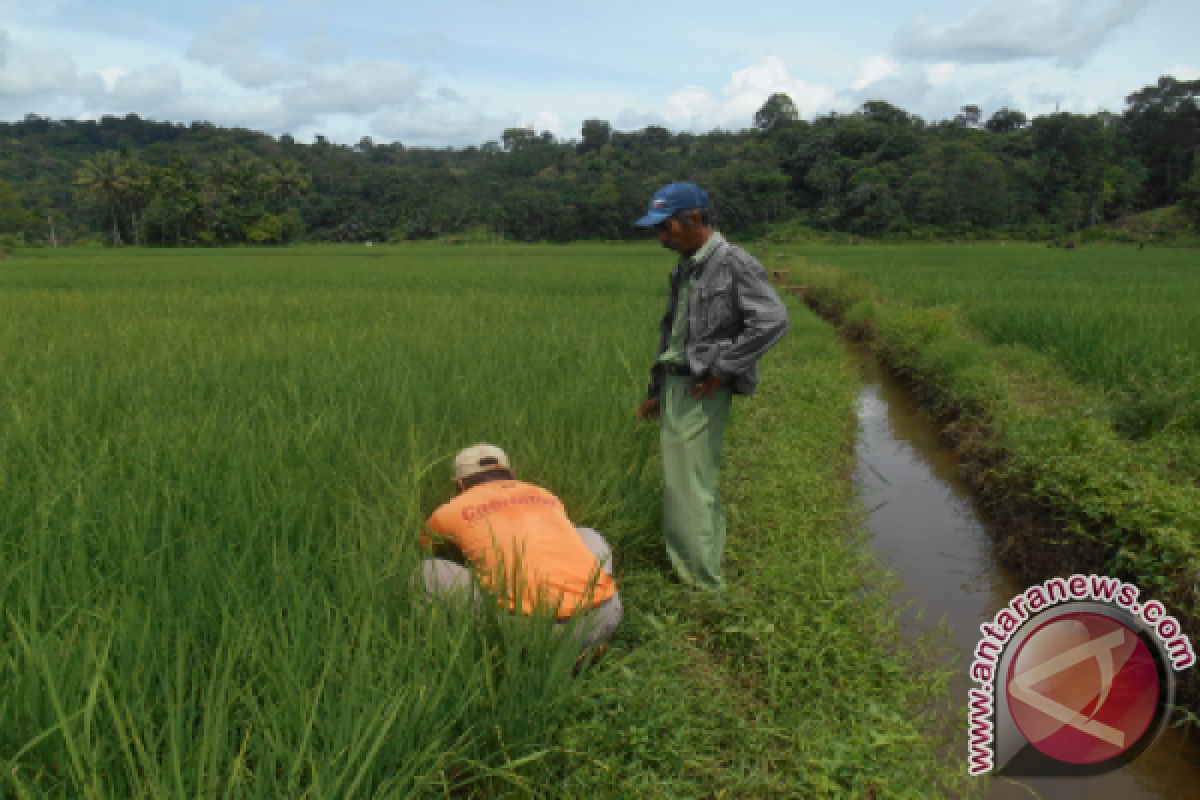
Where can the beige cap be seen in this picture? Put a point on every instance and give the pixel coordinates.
(477, 459)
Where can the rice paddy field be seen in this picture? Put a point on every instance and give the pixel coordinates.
(214, 467)
(1120, 320)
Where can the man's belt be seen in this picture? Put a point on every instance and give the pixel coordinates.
(677, 370)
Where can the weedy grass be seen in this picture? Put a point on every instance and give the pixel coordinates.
(213, 470)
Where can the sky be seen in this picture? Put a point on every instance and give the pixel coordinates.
(453, 73)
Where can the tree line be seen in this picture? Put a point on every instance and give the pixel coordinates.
(879, 171)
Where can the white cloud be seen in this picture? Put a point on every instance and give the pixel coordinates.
(750, 88)
(157, 86)
(1182, 73)
(635, 119)
(281, 96)
(318, 49)
(908, 88)
(231, 39)
(441, 126)
(547, 121)
(940, 91)
(1008, 30)
(233, 48)
(873, 68)
(37, 77)
(698, 108)
(357, 88)
(111, 75)
(941, 74)
(692, 103)
(306, 81)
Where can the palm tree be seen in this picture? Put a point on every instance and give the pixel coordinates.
(103, 178)
(180, 190)
(140, 186)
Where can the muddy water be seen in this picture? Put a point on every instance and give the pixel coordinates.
(924, 523)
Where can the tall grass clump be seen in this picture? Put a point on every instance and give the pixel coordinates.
(213, 471)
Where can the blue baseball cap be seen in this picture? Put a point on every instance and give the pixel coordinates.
(671, 198)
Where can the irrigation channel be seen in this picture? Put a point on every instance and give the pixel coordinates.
(924, 522)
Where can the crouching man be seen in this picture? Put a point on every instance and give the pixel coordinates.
(519, 541)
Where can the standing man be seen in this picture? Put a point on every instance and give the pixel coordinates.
(722, 315)
(519, 540)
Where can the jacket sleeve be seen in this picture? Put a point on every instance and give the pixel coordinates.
(764, 316)
(654, 389)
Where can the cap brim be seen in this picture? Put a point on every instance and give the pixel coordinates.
(483, 471)
(652, 219)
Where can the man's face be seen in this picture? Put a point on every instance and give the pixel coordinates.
(673, 235)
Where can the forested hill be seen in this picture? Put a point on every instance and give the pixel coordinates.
(878, 172)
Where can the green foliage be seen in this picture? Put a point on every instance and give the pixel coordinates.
(103, 179)
(1006, 121)
(1164, 121)
(267, 230)
(1070, 159)
(776, 111)
(235, 198)
(14, 218)
(596, 133)
(1189, 196)
(878, 171)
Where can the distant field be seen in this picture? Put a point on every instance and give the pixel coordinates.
(1123, 320)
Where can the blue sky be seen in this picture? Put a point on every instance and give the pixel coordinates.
(457, 72)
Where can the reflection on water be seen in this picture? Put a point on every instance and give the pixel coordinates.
(925, 524)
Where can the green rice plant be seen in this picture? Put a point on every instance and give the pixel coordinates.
(213, 472)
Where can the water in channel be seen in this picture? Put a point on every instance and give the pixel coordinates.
(925, 525)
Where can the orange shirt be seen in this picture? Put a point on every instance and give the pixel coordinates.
(499, 524)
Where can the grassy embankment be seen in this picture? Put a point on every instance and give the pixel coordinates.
(1071, 384)
(213, 466)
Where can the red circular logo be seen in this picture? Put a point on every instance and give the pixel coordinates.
(1083, 688)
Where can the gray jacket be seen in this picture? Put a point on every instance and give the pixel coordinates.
(735, 317)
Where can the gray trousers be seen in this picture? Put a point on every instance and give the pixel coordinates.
(445, 579)
(692, 433)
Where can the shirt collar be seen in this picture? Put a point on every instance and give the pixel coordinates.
(698, 257)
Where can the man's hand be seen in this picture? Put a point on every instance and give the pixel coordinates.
(705, 389)
(648, 409)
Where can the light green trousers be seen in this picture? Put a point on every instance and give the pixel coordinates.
(693, 521)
